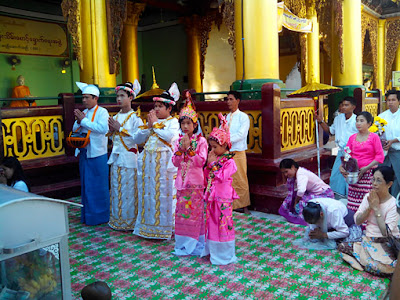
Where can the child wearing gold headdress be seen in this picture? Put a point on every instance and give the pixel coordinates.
(190, 155)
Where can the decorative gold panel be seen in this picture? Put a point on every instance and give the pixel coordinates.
(372, 108)
(209, 120)
(297, 127)
(326, 112)
(33, 137)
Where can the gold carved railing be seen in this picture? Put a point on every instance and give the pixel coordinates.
(209, 120)
(372, 108)
(33, 137)
(297, 127)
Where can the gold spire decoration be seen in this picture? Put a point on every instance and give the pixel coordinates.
(155, 89)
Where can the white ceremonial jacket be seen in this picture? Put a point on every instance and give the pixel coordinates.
(99, 127)
(125, 140)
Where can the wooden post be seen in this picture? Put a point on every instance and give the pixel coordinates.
(68, 103)
(271, 121)
(359, 95)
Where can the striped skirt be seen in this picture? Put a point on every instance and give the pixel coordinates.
(358, 190)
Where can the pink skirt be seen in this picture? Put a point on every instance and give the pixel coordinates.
(189, 215)
(219, 222)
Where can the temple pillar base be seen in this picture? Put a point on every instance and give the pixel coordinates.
(253, 84)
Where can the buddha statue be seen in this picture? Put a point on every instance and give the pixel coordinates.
(21, 91)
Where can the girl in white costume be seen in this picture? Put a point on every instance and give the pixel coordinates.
(155, 169)
(123, 159)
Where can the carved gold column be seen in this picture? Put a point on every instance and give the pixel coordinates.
(351, 72)
(313, 55)
(129, 43)
(193, 52)
(95, 44)
(381, 72)
(238, 39)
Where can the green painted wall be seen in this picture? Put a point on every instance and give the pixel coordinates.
(165, 49)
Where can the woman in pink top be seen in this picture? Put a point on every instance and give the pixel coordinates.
(366, 148)
(378, 209)
(190, 155)
(302, 185)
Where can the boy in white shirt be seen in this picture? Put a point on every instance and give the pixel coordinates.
(93, 167)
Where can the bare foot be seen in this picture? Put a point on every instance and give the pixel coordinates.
(246, 210)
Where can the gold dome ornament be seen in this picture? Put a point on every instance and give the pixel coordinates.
(154, 91)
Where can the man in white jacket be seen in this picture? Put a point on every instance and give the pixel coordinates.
(93, 167)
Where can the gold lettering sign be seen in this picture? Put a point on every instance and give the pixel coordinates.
(21, 36)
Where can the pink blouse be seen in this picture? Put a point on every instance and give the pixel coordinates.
(368, 151)
(389, 213)
(190, 168)
(221, 189)
(308, 181)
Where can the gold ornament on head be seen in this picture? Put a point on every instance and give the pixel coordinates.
(189, 110)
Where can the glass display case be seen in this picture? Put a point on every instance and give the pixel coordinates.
(34, 261)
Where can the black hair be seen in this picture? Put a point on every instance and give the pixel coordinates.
(18, 175)
(98, 290)
(312, 212)
(393, 92)
(235, 94)
(351, 100)
(287, 163)
(129, 85)
(367, 116)
(196, 126)
(387, 173)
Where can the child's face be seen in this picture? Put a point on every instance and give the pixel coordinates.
(289, 173)
(123, 100)
(162, 112)
(8, 172)
(187, 126)
(217, 148)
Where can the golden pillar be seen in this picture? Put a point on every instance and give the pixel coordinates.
(95, 67)
(313, 55)
(86, 72)
(261, 45)
(381, 72)
(129, 43)
(193, 52)
(397, 61)
(350, 73)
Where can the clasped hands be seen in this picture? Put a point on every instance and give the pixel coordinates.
(79, 115)
(317, 233)
(151, 118)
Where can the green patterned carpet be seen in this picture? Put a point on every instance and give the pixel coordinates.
(268, 266)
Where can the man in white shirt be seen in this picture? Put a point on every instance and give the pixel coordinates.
(328, 219)
(93, 167)
(344, 125)
(239, 124)
(392, 136)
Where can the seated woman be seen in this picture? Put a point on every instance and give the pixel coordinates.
(12, 174)
(378, 208)
(308, 186)
(366, 148)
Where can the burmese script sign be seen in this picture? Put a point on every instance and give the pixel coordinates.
(292, 22)
(21, 36)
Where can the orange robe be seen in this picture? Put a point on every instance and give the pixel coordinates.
(21, 91)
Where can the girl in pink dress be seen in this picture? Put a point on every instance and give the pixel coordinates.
(190, 155)
(366, 148)
(219, 195)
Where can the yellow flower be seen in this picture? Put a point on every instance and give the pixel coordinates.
(373, 128)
